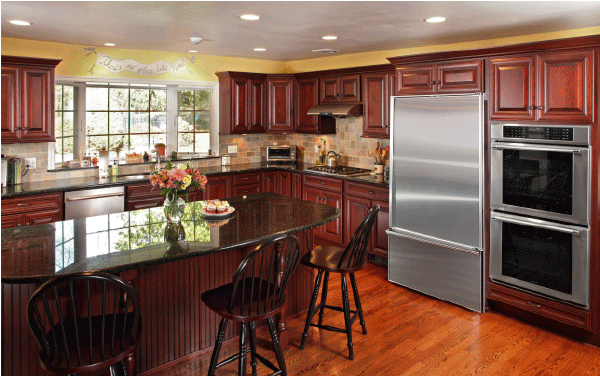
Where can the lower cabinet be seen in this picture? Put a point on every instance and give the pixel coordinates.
(326, 191)
(296, 185)
(247, 184)
(284, 181)
(218, 187)
(32, 210)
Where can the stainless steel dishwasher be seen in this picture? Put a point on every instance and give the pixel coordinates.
(91, 202)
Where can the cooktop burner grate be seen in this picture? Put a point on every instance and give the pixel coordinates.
(340, 170)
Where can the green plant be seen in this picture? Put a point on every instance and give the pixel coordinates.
(160, 145)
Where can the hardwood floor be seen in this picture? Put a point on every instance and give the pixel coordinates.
(412, 334)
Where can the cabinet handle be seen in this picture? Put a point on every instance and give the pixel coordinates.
(439, 82)
(21, 204)
(371, 192)
(534, 305)
(539, 107)
(532, 107)
(431, 83)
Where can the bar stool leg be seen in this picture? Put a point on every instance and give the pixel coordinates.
(242, 364)
(214, 360)
(252, 333)
(357, 302)
(277, 347)
(323, 297)
(347, 315)
(311, 308)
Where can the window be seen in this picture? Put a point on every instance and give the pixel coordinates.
(132, 116)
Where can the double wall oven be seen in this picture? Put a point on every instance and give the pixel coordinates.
(540, 200)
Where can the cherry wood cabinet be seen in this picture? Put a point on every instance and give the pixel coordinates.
(27, 99)
(306, 97)
(326, 191)
(32, 210)
(549, 87)
(284, 182)
(280, 107)
(241, 103)
(270, 181)
(297, 185)
(218, 187)
(461, 76)
(246, 184)
(144, 196)
(377, 88)
(339, 88)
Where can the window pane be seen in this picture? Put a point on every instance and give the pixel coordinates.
(185, 99)
(185, 121)
(96, 98)
(139, 143)
(185, 142)
(140, 99)
(118, 141)
(118, 122)
(202, 101)
(68, 148)
(95, 143)
(67, 123)
(158, 122)
(139, 122)
(58, 124)
(119, 99)
(68, 98)
(156, 138)
(97, 122)
(202, 120)
(202, 142)
(158, 100)
(58, 97)
(58, 151)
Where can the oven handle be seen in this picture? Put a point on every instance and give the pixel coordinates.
(536, 148)
(528, 223)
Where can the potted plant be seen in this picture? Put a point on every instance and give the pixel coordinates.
(161, 148)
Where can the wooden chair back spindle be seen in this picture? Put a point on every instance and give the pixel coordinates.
(355, 254)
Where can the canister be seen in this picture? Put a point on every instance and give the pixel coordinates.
(225, 160)
(15, 166)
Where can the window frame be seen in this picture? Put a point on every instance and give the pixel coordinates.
(172, 87)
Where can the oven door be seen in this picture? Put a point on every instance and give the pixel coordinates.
(540, 256)
(543, 181)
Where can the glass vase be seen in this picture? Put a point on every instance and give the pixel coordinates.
(174, 207)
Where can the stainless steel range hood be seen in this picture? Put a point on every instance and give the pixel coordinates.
(337, 109)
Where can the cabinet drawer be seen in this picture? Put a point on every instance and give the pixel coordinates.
(246, 190)
(142, 190)
(323, 183)
(144, 203)
(367, 191)
(29, 203)
(246, 179)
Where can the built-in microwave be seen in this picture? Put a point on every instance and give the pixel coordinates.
(281, 153)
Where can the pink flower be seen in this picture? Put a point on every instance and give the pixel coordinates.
(177, 174)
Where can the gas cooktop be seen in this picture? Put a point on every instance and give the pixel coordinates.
(340, 170)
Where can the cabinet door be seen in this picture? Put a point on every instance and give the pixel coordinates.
(41, 217)
(415, 79)
(460, 77)
(376, 105)
(10, 104)
(566, 86)
(240, 117)
(256, 116)
(355, 212)
(37, 104)
(297, 185)
(13, 220)
(218, 187)
(284, 183)
(269, 182)
(333, 230)
(307, 96)
(329, 89)
(313, 195)
(512, 88)
(349, 88)
(280, 105)
(379, 238)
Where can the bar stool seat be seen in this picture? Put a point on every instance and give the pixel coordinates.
(330, 259)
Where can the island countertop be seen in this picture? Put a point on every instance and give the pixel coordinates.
(133, 240)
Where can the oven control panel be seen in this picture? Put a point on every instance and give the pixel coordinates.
(538, 133)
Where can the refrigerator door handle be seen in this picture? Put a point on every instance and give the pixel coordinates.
(434, 241)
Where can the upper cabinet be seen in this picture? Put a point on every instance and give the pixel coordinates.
(549, 87)
(241, 103)
(461, 76)
(339, 88)
(27, 99)
(377, 89)
(280, 107)
(306, 96)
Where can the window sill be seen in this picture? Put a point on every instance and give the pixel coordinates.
(151, 162)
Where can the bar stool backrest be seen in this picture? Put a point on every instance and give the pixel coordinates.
(355, 254)
(261, 278)
(84, 323)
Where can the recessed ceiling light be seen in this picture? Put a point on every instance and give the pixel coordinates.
(109, 44)
(436, 19)
(260, 49)
(20, 23)
(329, 37)
(250, 17)
(192, 51)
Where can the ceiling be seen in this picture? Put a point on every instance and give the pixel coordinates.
(289, 30)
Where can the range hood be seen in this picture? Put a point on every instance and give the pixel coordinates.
(337, 109)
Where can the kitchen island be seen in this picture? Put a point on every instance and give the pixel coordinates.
(169, 276)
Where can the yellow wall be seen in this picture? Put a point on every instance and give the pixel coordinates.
(75, 62)
(379, 57)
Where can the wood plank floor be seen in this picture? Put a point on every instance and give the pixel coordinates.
(412, 334)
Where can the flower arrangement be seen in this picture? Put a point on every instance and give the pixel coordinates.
(175, 180)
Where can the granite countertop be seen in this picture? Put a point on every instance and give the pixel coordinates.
(132, 240)
(72, 184)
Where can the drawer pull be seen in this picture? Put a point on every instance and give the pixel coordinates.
(22, 204)
(371, 192)
(144, 206)
(534, 305)
(95, 197)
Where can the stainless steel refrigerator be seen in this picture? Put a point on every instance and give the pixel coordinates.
(436, 197)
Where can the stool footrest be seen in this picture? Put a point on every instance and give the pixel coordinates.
(228, 360)
(267, 363)
(327, 327)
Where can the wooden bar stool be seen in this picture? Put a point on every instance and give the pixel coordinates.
(85, 323)
(257, 292)
(330, 259)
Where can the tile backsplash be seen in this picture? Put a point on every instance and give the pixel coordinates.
(348, 142)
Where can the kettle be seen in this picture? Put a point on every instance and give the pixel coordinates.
(332, 159)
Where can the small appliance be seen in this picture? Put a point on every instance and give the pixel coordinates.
(281, 153)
